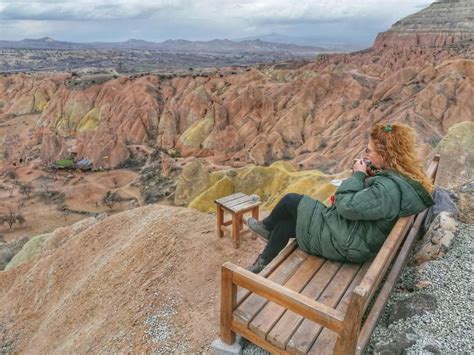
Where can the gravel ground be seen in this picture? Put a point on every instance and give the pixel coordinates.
(448, 329)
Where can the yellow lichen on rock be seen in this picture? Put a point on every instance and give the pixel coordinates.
(72, 114)
(193, 181)
(263, 181)
(313, 184)
(281, 164)
(270, 183)
(205, 201)
(90, 120)
(41, 101)
(198, 132)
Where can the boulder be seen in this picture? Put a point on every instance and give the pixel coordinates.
(457, 156)
(466, 202)
(437, 241)
(444, 202)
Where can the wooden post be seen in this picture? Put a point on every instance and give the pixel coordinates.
(220, 220)
(228, 304)
(347, 340)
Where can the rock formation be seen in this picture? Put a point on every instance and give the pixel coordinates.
(316, 115)
(441, 24)
(198, 189)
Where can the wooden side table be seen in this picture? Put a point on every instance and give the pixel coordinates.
(237, 205)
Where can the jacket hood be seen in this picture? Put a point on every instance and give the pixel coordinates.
(414, 198)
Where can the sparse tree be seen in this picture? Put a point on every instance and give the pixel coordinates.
(110, 198)
(26, 189)
(12, 217)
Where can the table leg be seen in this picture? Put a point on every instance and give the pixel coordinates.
(220, 220)
(235, 229)
(255, 212)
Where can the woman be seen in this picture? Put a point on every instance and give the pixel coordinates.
(365, 207)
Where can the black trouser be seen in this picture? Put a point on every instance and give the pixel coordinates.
(282, 224)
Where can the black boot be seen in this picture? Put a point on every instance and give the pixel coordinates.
(258, 265)
(258, 228)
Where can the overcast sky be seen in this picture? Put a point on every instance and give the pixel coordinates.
(356, 21)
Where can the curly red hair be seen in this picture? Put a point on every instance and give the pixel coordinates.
(396, 143)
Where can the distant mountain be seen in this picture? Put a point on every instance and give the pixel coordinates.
(41, 43)
(179, 45)
(322, 43)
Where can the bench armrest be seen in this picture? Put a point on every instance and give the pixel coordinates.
(313, 310)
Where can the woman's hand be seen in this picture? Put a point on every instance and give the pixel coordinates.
(359, 165)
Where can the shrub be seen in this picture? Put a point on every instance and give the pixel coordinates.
(174, 153)
(131, 164)
(110, 198)
(26, 189)
(11, 174)
(51, 196)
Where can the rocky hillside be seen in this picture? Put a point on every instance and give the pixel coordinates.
(443, 23)
(314, 114)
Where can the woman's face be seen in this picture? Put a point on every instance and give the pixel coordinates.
(371, 153)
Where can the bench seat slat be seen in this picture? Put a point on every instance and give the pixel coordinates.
(326, 340)
(269, 315)
(242, 293)
(289, 321)
(254, 303)
(303, 338)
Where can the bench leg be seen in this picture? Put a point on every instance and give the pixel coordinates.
(220, 220)
(347, 341)
(228, 304)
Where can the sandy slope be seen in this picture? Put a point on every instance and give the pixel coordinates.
(142, 280)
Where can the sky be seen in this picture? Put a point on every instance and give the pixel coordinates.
(343, 21)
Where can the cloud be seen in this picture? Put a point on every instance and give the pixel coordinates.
(56, 10)
(258, 11)
(263, 11)
(198, 19)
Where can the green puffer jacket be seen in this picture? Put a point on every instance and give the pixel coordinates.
(365, 210)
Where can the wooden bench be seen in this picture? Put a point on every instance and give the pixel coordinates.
(303, 304)
(236, 205)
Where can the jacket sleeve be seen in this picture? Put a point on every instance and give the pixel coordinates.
(355, 201)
